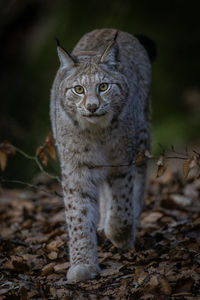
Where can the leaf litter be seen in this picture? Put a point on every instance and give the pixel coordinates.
(165, 263)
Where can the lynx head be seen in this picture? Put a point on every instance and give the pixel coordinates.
(92, 90)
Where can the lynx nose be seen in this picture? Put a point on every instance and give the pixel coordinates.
(92, 107)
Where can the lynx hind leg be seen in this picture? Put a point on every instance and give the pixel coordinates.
(104, 198)
(139, 190)
(119, 222)
(143, 143)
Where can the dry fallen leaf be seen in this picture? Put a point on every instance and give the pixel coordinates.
(148, 154)
(188, 165)
(181, 200)
(7, 148)
(161, 166)
(61, 267)
(165, 287)
(3, 160)
(139, 159)
(48, 269)
(50, 146)
(112, 269)
(140, 275)
(52, 255)
(54, 245)
(153, 217)
(41, 153)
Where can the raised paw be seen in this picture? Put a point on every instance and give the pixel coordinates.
(82, 272)
(121, 237)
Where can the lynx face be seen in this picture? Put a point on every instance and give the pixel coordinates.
(91, 93)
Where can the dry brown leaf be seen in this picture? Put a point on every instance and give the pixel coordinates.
(61, 267)
(7, 148)
(54, 245)
(139, 159)
(183, 284)
(41, 153)
(165, 287)
(52, 291)
(153, 217)
(140, 275)
(27, 224)
(50, 146)
(60, 293)
(112, 270)
(48, 269)
(148, 154)
(4, 291)
(181, 200)
(8, 265)
(52, 255)
(188, 165)
(162, 166)
(123, 291)
(153, 281)
(32, 294)
(29, 259)
(39, 150)
(18, 263)
(3, 160)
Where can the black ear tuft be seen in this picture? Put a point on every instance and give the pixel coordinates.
(57, 42)
(61, 47)
(149, 45)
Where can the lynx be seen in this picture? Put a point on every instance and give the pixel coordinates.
(100, 114)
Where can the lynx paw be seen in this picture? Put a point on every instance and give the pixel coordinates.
(82, 272)
(122, 238)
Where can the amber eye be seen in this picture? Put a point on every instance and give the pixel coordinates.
(103, 87)
(79, 89)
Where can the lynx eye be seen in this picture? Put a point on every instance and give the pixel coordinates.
(103, 86)
(78, 89)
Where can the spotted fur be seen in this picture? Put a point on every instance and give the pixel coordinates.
(97, 150)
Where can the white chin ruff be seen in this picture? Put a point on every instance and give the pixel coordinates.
(94, 122)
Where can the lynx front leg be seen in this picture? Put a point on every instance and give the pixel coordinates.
(81, 214)
(119, 224)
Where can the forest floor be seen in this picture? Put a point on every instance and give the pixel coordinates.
(165, 263)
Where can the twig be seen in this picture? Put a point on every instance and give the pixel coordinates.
(197, 153)
(162, 148)
(35, 158)
(174, 151)
(176, 157)
(18, 243)
(35, 187)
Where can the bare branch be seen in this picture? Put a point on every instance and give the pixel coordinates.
(35, 158)
(30, 185)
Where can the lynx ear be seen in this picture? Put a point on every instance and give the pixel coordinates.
(109, 55)
(66, 60)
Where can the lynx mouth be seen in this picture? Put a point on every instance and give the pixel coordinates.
(94, 115)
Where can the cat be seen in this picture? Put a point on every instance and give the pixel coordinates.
(100, 112)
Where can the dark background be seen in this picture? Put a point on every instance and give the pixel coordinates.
(29, 62)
